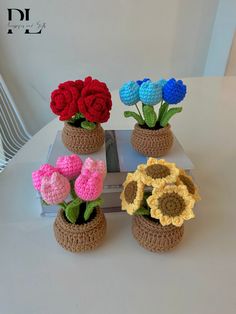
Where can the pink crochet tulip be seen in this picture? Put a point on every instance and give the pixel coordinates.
(94, 165)
(55, 189)
(44, 170)
(89, 185)
(69, 166)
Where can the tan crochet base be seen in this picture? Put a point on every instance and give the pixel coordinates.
(152, 143)
(81, 141)
(80, 238)
(153, 236)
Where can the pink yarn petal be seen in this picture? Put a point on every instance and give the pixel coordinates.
(55, 189)
(69, 166)
(44, 170)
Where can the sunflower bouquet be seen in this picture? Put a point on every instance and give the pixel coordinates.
(161, 197)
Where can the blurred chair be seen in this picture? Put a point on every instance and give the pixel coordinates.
(13, 134)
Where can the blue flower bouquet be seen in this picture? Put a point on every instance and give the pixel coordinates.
(152, 134)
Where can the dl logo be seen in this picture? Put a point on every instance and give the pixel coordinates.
(23, 15)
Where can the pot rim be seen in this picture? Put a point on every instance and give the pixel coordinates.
(69, 126)
(162, 130)
(75, 228)
(148, 223)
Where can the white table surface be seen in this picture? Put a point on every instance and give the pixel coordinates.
(199, 276)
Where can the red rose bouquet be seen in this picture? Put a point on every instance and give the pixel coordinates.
(82, 103)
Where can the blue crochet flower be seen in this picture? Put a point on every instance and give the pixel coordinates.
(129, 93)
(140, 82)
(162, 82)
(174, 91)
(150, 93)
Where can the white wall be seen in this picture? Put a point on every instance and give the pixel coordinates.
(114, 40)
(223, 32)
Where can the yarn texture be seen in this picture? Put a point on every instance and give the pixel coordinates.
(44, 170)
(69, 166)
(55, 189)
(94, 165)
(129, 93)
(89, 185)
(174, 91)
(80, 238)
(152, 143)
(82, 141)
(150, 93)
(153, 236)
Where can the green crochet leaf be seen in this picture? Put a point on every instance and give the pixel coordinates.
(162, 111)
(88, 125)
(134, 115)
(72, 190)
(150, 116)
(78, 116)
(142, 211)
(90, 207)
(168, 115)
(72, 210)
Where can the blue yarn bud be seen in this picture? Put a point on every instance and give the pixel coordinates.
(150, 93)
(162, 82)
(174, 91)
(140, 82)
(129, 93)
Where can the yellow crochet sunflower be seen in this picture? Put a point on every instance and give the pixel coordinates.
(187, 180)
(158, 172)
(132, 194)
(171, 205)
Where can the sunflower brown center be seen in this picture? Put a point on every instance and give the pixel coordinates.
(171, 204)
(131, 191)
(157, 171)
(188, 183)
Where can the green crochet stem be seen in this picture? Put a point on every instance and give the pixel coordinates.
(72, 210)
(150, 116)
(90, 207)
(138, 110)
(142, 211)
(63, 204)
(162, 110)
(72, 190)
(168, 115)
(134, 115)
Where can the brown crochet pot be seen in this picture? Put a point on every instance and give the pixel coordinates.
(80, 238)
(153, 236)
(152, 143)
(81, 141)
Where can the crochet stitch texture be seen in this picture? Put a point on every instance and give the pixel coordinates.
(94, 165)
(174, 91)
(153, 236)
(89, 185)
(55, 189)
(129, 93)
(150, 93)
(69, 166)
(44, 170)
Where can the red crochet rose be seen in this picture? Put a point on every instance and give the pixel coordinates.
(95, 101)
(64, 99)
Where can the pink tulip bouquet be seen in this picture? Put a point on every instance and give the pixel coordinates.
(70, 176)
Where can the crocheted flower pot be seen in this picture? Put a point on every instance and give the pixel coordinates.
(153, 236)
(152, 143)
(82, 141)
(80, 238)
